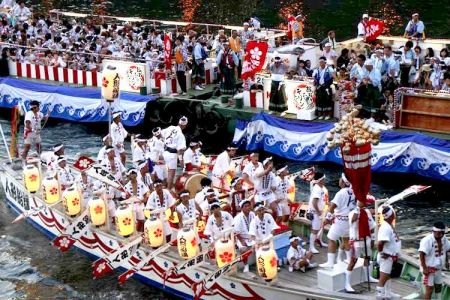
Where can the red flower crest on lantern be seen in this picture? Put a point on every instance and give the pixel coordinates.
(75, 201)
(98, 210)
(194, 242)
(33, 177)
(226, 257)
(126, 221)
(105, 82)
(273, 262)
(53, 191)
(157, 232)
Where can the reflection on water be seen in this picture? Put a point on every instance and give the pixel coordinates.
(30, 268)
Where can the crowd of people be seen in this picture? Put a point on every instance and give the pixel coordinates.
(255, 205)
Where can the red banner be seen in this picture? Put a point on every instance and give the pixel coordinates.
(168, 52)
(374, 28)
(254, 58)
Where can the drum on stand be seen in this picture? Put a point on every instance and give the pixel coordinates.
(190, 182)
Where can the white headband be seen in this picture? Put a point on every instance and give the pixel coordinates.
(438, 229)
(267, 160)
(345, 180)
(258, 205)
(184, 194)
(321, 178)
(132, 170)
(294, 238)
(281, 170)
(58, 147)
(243, 202)
(213, 205)
(183, 121)
(193, 144)
(388, 213)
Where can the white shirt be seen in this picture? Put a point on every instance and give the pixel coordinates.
(345, 202)
(8, 3)
(222, 164)
(386, 233)
(118, 134)
(330, 56)
(282, 186)
(188, 212)
(213, 229)
(191, 157)
(156, 149)
(52, 163)
(361, 29)
(429, 246)
(357, 72)
(250, 169)
(141, 189)
(266, 183)
(242, 223)
(21, 13)
(319, 193)
(174, 137)
(154, 202)
(119, 168)
(354, 227)
(295, 254)
(101, 155)
(65, 176)
(138, 155)
(261, 229)
(35, 120)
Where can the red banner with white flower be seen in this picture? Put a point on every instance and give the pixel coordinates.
(254, 58)
(374, 28)
(167, 52)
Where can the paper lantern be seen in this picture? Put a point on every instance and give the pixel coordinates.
(125, 220)
(97, 211)
(72, 200)
(187, 243)
(201, 224)
(31, 178)
(172, 217)
(110, 84)
(291, 190)
(154, 231)
(267, 262)
(50, 190)
(225, 252)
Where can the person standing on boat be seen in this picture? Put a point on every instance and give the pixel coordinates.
(433, 258)
(235, 45)
(358, 249)
(187, 209)
(265, 185)
(369, 89)
(161, 198)
(139, 151)
(362, 26)
(331, 38)
(218, 222)
(246, 35)
(282, 203)
(102, 152)
(191, 157)
(330, 55)
(315, 207)
(65, 176)
(415, 29)
(277, 96)
(32, 131)
(344, 201)
(181, 57)
(156, 145)
(227, 60)
(407, 64)
(114, 166)
(118, 135)
(241, 225)
(138, 189)
(198, 67)
(222, 168)
(297, 257)
(323, 79)
(249, 171)
(389, 246)
(263, 225)
(174, 146)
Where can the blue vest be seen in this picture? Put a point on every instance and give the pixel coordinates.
(328, 80)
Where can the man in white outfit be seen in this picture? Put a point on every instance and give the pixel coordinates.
(315, 207)
(156, 145)
(118, 135)
(241, 225)
(222, 168)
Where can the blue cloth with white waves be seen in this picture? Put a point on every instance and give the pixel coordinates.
(306, 141)
(71, 103)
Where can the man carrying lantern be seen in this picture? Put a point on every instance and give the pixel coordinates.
(344, 201)
(315, 207)
(137, 189)
(242, 229)
(161, 198)
(298, 258)
(433, 253)
(118, 135)
(32, 130)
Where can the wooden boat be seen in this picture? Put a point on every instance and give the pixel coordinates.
(99, 242)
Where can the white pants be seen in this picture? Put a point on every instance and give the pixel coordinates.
(218, 182)
(433, 278)
(160, 171)
(386, 265)
(265, 197)
(358, 250)
(283, 208)
(340, 228)
(316, 222)
(33, 138)
(171, 160)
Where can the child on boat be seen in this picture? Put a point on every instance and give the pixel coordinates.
(297, 257)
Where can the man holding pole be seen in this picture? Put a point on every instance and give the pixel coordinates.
(433, 257)
(33, 126)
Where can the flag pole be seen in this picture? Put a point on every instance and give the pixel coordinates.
(368, 264)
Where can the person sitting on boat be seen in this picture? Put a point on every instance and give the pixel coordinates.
(118, 135)
(369, 89)
(415, 28)
(297, 257)
(145, 173)
(237, 194)
(32, 130)
(362, 26)
(297, 29)
(433, 258)
(357, 247)
(277, 96)
(265, 185)
(323, 79)
(191, 157)
(389, 245)
(281, 205)
(161, 198)
(210, 197)
(52, 159)
(241, 224)
(227, 60)
(249, 171)
(223, 168)
(205, 183)
(174, 146)
(198, 68)
(138, 189)
(188, 208)
(218, 222)
(263, 225)
(156, 145)
(315, 207)
(139, 151)
(65, 176)
(102, 152)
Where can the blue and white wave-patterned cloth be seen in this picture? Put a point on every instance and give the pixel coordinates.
(71, 103)
(306, 141)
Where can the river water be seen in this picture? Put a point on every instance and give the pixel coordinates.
(32, 269)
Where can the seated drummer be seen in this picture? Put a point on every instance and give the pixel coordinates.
(277, 97)
(263, 225)
(188, 208)
(237, 194)
(297, 257)
(242, 229)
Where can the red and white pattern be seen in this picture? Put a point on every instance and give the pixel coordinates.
(253, 99)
